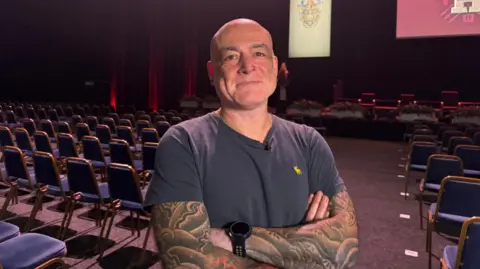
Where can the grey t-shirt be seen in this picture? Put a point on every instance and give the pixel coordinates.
(239, 179)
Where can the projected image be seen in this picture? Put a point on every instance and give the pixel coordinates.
(310, 22)
(430, 18)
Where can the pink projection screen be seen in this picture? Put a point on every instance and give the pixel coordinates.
(435, 18)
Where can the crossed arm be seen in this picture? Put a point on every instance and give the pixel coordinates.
(182, 232)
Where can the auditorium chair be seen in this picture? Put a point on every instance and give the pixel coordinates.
(30, 126)
(470, 156)
(150, 135)
(465, 255)
(450, 209)
(127, 194)
(162, 127)
(120, 153)
(456, 141)
(42, 143)
(439, 166)
(29, 250)
(417, 159)
(24, 142)
(126, 133)
(446, 137)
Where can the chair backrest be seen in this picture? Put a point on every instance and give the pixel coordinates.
(424, 138)
(42, 142)
(76, 119)
(145, 117)
(23, 139)
(92, 122)
(162, 127)
(421, 132)
(150, 135)
(459, 196)
(175, 120)
(149, 151)
(46, 170)
(115, 118)
(10, 117)
(120, 152)
(124, 183)
(15, 163)
(470, 156)
(126, 133)
(141, 124)
(160, 118)
(458, 140)
(66, 145)
(125, 122)
(29, 125)
(476, 139)
(53, 115)
(111, 124)
(442, 129)
(64, 127)
(103, 133)
(421, 151)
(81, 177)
(440, 166)
(47, 127)
(469, 245)
(129, 117)
(68, 112)
(471, 131)
(449, 134)
(6, 138)
(31, 113)
(92, 149)
(82, 130)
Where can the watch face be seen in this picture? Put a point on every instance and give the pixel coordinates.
(240, 228)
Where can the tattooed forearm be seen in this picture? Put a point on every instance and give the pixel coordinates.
(182, 233)
(330, 243)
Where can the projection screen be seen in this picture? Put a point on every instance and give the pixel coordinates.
(437, 18)
(310, 28)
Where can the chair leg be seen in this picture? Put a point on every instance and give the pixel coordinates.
(137, 224)
(69, 218)
(9, 198)
(132, 223)
(36, 207)
(103, 240)
(144, 247)
(69, 203)
(420, 207)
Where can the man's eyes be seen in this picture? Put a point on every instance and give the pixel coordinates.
(235, 56)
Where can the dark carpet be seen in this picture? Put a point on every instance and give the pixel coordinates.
(370, 170)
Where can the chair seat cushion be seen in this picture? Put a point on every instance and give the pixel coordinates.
(432, 187)
(450, 256)
(93, 198)
(55, 190)
(469, 172)
(98, 164)
(138, 165)
(445, 216)
(133, 206)
(30, 250)
(418, 167)
(8, 231)
(23, 182)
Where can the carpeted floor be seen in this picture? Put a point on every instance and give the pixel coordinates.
(370, 170)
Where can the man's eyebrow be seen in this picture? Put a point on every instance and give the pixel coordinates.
(254, 46)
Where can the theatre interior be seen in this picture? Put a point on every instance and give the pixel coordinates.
(88, 89)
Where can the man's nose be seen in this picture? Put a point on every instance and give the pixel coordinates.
(246, 64)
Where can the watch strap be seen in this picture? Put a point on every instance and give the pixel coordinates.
(238, 244)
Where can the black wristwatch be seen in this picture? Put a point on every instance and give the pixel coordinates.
(239, 232)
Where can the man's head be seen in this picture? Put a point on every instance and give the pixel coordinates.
(243, 66)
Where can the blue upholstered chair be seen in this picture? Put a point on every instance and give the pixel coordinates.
(43, 143)
(120, 153)
(456, 141)
(466, 254)
(457, 201)
(18, 175)
(150, 135)
(470, 156)
(104, 135)
(47, 127)
(126, 133)
(30, 126)
(439, 166)
(8, 231)
(417, 159)
(66, 146)
(126, 193)
(31, 250)
(162, 127)
(64, 128)
(24, 142)
(446, 137)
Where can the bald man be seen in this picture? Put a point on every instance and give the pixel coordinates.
(241, 188)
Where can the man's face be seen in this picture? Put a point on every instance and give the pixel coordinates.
(245, 68)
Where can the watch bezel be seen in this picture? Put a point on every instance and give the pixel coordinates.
(240, 229)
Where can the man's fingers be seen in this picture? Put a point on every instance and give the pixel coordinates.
(312, 211)
(322, 208)
(310, 198)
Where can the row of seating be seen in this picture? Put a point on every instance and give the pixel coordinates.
(28, 250)
(450, 161)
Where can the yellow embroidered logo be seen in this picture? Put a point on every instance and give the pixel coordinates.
(297, 170)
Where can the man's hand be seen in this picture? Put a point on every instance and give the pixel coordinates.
(317, 207)
(220, 239)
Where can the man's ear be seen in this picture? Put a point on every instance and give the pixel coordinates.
(210, 71)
